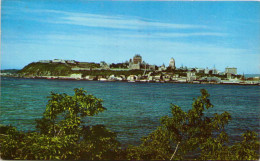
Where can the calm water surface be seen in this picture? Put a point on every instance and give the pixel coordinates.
(133, 109)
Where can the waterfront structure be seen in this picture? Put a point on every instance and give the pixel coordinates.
(89, 77)
(191, 76)
(211, 79)
(132, 78)
(157, 77)
(180, 80)
(76, 76)
(172, 63)
(148, 73)
(231, 81)
(231, 71)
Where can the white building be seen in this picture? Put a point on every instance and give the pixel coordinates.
(214, 71)
(231, 71)
(206, 71)
(162, 68)
(58, 61)
(45, 61)
(76, 76)
(132, 78)
(191, 76)
(88, 77)
(71, 61)
(199, 70)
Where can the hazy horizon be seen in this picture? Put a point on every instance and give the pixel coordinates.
(195, 34)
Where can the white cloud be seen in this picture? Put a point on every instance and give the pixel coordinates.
(175, 35)
(111, 21)
(121, 22)
(191, 34)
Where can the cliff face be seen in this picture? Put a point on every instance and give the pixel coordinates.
(46, 69)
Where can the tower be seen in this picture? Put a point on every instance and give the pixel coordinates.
(137, 59)
(136, 62)
(172, 63)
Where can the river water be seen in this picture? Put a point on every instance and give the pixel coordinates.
(133, 109)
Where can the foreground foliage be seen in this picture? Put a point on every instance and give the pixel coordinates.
(193, 135)
(62, 134)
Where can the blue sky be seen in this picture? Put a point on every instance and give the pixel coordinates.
(195, 34)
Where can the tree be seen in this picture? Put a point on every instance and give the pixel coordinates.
(194, 134)
(61, 132)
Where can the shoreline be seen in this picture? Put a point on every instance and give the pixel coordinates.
(137, 81)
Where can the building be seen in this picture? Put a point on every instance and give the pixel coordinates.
(132, 78)
(200, 70)
(229, 76)
(172, 63)
(58, 61)
(211, 79)
(89, 77)
(76, 76)
(137, 59)
(162, 68)
(231, 71)
(151, 67)
(45, 61)
(206, 71)
(104, 65)
(135, 64)
(71, 61)
(214, 71)
(191, 76)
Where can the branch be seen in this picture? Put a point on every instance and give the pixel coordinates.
(3, 134)
(59, 132)
(175, 151)
(54, 131)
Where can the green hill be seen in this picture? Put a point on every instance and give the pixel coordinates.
(12, 71)
(46, 69)
(61, 69)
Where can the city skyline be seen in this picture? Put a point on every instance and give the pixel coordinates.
(195, 34)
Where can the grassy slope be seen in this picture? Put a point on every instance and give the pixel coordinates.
(45, 69)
